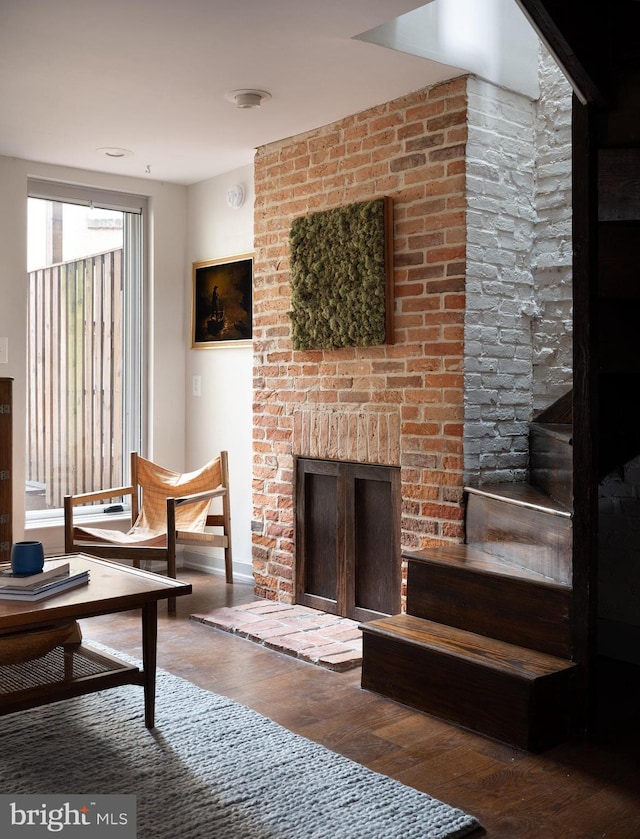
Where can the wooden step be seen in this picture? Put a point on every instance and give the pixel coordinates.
(560, 411)
(521, 525)
(551, 460)
(461, 586)
(507, 692)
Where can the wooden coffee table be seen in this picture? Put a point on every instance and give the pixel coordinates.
(63, 674)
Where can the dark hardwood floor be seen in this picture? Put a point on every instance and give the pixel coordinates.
(577, 790)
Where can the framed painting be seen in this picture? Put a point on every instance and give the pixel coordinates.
(222, 301)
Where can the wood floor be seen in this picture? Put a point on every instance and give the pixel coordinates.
(574, 791)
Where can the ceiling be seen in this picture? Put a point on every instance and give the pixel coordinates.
(150, 76)
(153, 77)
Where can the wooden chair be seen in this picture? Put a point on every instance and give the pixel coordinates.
(167, 508)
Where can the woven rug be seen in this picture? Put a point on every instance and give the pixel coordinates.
(211, 769)
(317, 637)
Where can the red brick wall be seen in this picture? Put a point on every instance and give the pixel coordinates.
(399, 404)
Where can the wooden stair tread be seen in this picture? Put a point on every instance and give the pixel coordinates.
(487, 652)
(522, 495)
(479, 561)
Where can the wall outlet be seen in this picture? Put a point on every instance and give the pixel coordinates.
(4, 350)
(196, 385)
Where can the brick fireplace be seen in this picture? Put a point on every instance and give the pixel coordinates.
(393, 405)
(481, 315)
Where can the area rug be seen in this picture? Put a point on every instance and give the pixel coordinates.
(331, 641)
(211, 769)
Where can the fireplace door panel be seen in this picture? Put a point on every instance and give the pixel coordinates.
(348, 538)
(321, 492)
(372, 541)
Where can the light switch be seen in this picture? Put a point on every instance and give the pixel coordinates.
(4, 350)
(196, 385)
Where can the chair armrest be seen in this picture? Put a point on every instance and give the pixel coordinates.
(87, 497)
(218, 492)
(174, 503)
(71, 501)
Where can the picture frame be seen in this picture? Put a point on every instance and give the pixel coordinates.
(222, 302)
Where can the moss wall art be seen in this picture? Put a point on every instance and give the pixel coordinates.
(341, 276)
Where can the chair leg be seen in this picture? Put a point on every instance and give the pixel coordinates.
(171, 561)
(69, 650)
(228, 565)
(226, 517)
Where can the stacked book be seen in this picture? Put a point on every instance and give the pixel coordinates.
(55, 577)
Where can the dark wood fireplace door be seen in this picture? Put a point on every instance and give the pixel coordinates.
(348, 538)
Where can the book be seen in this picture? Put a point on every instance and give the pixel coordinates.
(35, 584)
(55, 568)
(39, 591)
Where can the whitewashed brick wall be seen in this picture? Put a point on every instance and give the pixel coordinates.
(552, 255)
(518, 315)
(500, 297)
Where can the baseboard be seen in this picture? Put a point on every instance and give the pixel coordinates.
(201, 561)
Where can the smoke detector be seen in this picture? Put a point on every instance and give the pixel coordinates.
(235, 196)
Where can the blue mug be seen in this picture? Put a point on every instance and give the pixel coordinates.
(27, 558)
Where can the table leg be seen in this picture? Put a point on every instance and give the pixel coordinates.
(149, 655)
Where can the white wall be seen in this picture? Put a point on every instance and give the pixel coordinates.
(221, 417)
(167, 258)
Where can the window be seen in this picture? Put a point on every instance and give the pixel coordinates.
(85, 347)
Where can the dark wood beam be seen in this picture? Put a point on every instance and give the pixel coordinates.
(585, 413)
(572, 31)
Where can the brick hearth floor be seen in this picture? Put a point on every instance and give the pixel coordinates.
(317, 637)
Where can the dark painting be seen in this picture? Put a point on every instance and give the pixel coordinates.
(222, 301)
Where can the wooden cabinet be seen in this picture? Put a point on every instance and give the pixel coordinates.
(6, 483)
(348, 538)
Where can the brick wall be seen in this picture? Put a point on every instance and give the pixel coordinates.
(399, 404)
(519, 291)
(500, 294)
(553, 251)
(480, 180)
